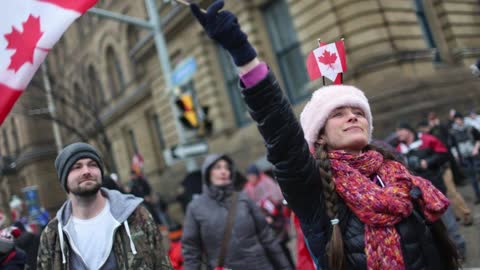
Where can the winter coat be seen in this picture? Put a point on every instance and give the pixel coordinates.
(465, 137)
(15, 260)
(298, 174)
(137, 234)
(433, 151)
(252, 244)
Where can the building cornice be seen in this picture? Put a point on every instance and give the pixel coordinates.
(35, 153)
(125, 102)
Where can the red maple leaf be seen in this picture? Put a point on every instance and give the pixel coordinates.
(24, 43)
(328, 58)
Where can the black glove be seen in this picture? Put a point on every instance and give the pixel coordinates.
(223, 27)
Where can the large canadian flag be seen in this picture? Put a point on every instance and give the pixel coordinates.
(28, 30)
(327, 60)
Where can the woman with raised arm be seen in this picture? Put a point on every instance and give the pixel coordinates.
(358, 207)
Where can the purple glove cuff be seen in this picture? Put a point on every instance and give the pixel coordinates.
(255, 75)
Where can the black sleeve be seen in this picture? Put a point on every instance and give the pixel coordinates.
(475, 134)
(294, 167)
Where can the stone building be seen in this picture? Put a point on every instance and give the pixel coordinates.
(409, 56)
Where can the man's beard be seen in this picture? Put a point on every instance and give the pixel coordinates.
(87, 191)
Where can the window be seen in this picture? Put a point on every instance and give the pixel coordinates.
(132, 36)
(133, 142)
(78, 104)
(96, 87)
(231, 84)
(16, 141)
(6, 144)
(78, 94)
(157, 126)
(287, 49)
(427, 33)
(114, 72)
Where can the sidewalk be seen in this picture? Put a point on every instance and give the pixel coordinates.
(471, 233)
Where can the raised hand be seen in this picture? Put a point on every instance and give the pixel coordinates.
(222, 26)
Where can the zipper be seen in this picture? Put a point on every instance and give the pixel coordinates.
(74, 248)
(78, 253)
(111, 244)
(124, 251)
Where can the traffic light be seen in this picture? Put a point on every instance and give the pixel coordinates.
(188, 115)
(206, 125)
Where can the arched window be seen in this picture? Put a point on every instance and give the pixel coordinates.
(132, 36)
(114, 72)
(79, 103)
(96, 88)
(16, 141)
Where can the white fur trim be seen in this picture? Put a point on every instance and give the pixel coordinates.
(327, 99)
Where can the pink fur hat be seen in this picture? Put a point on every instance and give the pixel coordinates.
(324, 101)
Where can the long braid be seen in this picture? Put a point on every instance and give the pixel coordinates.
(334, 248)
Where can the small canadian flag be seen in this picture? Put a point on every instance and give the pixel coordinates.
(328, 60)
(28, 30)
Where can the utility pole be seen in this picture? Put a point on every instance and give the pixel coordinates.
(153, 24)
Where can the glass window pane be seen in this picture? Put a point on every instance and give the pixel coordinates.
(287, 49)
(231, 78)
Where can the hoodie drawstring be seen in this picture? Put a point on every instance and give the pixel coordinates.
(132, 245)
(60, 234)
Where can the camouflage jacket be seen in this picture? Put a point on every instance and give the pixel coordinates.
(146, 238)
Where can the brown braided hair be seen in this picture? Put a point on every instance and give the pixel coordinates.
(334, 248)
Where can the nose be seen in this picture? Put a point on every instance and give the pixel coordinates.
(85, 170)
(352, 117)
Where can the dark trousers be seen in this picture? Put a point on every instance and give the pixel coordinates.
(472, 167)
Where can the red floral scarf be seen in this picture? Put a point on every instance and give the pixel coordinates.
(380, 208)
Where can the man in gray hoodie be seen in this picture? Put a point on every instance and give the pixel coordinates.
(97, 228)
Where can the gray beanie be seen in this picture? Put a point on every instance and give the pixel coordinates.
(71, 154)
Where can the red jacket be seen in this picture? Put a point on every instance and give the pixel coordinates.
(304, 260)
(175, 254)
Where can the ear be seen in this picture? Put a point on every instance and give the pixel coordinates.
(321, 139)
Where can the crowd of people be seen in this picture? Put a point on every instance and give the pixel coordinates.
(354, 202)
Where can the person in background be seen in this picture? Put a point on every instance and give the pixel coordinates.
(11, 257)
(442, 132)
(475, 68)
(109, 182)
(260, 186)
(426, 157)
(466, 152)
(138, 186)
(460, 207)
(175, 250)
(473, 119)
(29, 243)
(252, 244)
(266, 193)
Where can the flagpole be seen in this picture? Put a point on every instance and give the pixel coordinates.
(51, 107)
